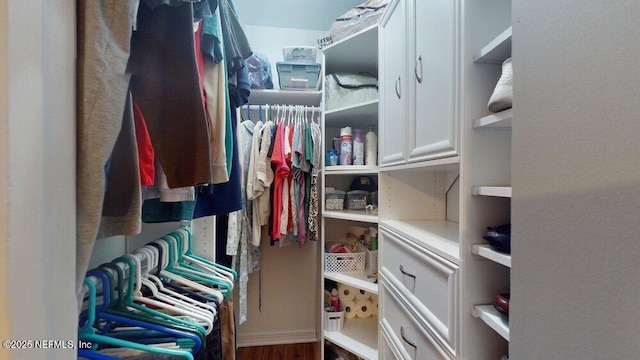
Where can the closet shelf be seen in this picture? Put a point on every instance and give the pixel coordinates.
(351, 170)
(357, 280)
(497, 321)
(438, 165)
(500, 120)
(355, 53)
(359, 336)
(354, 215)
(497, 191)
(497, 51)
(486, 251)
(360, 115)
(438, 236)
(285, 97)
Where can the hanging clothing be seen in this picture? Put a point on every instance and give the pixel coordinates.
(260, 180)
(165, 83)
(104, 37)
(146, 156)
(316, 159)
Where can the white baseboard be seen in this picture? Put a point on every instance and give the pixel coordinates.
(276, 338)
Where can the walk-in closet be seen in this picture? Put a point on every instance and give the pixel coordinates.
(322, 180)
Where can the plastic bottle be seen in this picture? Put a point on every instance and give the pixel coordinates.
(346, 146)
(373, 245)
(333, 157)
(358, 148)
(335, 299)
(371, 147)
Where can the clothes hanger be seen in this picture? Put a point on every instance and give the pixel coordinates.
(87, 332)
(161, 300)
(129, 302)
(180, 268)
(153, 252)
(188, 253)
(215, 294)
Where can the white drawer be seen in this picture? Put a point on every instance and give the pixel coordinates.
(389, 349)
(404, 335)
(427, 281)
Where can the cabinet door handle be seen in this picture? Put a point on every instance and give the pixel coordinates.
(418, 77)
(398, 86)
(411, 343)
(406, 273)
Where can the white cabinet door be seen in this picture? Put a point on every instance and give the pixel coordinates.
(433, 73)
(393, 85)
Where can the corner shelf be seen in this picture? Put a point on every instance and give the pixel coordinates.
(497, 191)
(497, 321)
(357, 279)
(357, 337)
(354, 215)
(359, 115)
(499, 120)
(497, 51)
(285, 97)
(487, 252)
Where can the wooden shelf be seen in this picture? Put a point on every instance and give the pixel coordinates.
(487, 251)
(500, 120)
(439, 236)
(355, 53)
(497, 191)
(497, 321)
(351, 170)
(285, 97)
(497, 51)
(357, 280)
(354, 215)
(359, 336)
(358, 116)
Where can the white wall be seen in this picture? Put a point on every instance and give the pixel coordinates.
(37, 186)
(576, 180)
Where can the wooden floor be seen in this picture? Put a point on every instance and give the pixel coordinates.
(308, 351)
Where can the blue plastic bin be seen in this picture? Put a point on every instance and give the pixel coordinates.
(298, 76)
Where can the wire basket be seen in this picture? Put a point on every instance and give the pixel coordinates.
(345, 262)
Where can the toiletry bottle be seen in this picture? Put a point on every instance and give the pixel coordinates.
(371, 147)
(358, 148)
(346, 146)
(335, 299)
(373, 245)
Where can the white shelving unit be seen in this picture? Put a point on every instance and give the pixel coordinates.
(500, 120)
(497, 51)
(357, 337)
(486, 251)
(493, 318)
(488, 177)
(353, 215)
(285, 97)
(497, 191)
(356, 53)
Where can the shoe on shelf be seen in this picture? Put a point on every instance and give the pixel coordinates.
(502, 97)
(501, 303)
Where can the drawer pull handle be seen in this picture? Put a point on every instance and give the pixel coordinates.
(411, 343)
(418, 77)
(406, 273)
(398, 87)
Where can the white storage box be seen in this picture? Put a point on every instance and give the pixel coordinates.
(298, 76)
(343, 89)
(304, 54)
(333, 321)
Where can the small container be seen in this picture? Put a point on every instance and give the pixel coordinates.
(333, 320)
(334, 199)
(357, 199)
(303, 54)
(373, 198)
(298, 76)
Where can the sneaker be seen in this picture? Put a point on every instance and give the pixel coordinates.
(502, 97)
